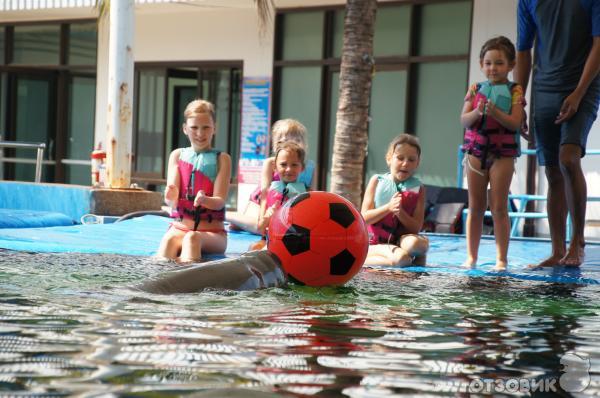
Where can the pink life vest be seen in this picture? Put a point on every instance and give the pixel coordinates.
(197, 171)
(389, 229)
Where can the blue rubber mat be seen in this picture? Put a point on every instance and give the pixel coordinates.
(138, 236)
(447, 252)
(141, 236)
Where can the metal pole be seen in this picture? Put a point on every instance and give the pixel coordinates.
(120, 93)
(38, 164)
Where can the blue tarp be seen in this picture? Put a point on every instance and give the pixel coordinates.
(11, 218)
(141, 236)
(70, 200)
(137, 236)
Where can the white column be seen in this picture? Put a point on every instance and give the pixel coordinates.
(120, 94)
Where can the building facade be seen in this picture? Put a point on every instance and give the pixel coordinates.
(53, 79)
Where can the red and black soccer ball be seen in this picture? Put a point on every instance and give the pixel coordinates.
(320, 239)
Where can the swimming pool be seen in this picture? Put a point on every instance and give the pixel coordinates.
(71, 325)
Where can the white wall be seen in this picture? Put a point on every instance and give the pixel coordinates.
(493, 18)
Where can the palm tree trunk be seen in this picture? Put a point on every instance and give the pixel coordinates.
(350, 143)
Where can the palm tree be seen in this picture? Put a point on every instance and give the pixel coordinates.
(350, 142)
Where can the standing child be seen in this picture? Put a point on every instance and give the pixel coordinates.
(285, 130)
(289, 164)
(394, 208)
(197, 187)
(492, 114)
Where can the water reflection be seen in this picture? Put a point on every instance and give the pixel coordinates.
(72, 326)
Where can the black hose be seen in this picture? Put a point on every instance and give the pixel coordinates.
(140, 213)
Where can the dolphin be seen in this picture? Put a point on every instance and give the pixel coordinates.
(253, 270)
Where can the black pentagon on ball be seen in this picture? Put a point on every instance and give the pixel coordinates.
(296, 239)
(341, 263)
(341, 214)
(299, 198)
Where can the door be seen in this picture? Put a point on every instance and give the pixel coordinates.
(33, 119)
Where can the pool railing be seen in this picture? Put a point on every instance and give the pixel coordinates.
(40, 146)
(523, 199)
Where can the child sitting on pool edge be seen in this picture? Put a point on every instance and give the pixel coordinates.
(394, 208)
(289, 164)
(197, 186)
(284, 130)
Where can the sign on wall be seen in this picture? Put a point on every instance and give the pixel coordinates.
(254, 141)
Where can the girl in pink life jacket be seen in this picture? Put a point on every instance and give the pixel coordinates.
(197, 186)
(289, 164)
(394, 208)
(492, 114)
(284, 130)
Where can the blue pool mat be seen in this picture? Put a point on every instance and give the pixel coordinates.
(446, 253)
(137, 236)
(141, 236)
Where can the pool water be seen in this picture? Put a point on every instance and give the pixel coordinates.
(71, 325)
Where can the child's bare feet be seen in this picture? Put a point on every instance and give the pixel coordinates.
(258, 245)
(420, 260)
(469, 263)
(500, 265)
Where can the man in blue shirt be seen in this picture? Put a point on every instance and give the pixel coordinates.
(565, 97)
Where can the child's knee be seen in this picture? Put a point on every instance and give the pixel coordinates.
(400, 257)
(414, 245)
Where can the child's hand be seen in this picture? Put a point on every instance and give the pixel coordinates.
(395, 203)
(200, 198)
(263, 221)
(524, 129)
(270, 211)
(481, 108)
(171, 193)
(491, 109)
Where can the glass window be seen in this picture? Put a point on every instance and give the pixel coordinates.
(149, 151)
(303, 35)
(392, 31)
(2, 36)
(82, 44)
(80, 128)
(338, 33)
(300, 88)
(3, 102)
(35, 95)
(36, 45)
(388, 108)
(440, 93)
(445, 28)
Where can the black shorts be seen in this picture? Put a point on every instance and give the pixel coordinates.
(550, 136)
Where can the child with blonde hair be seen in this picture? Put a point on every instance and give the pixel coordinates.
(197, 187)
(284, 130)
(394, 208)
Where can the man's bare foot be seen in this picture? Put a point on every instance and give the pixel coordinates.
(500, 266)
(549, 262)
(574, 256)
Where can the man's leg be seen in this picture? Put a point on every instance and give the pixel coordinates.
(557, 215)
(576, 195)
